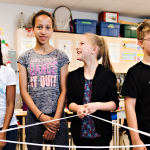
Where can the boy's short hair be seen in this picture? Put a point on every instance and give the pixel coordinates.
(143, 28)
(42, 12)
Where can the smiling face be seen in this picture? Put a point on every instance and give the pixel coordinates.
(43, 29)
(84, 49)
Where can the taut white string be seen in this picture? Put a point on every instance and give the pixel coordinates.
(142, 132)
(37, 123)
(64, 146)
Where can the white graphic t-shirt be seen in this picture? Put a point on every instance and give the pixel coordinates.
(44, 77)
(7, 78)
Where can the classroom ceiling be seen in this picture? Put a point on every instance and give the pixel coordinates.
(129, 8)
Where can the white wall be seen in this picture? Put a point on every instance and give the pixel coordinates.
(130, 19)
(9, 14)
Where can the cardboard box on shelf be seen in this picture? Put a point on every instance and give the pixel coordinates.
(127, 22)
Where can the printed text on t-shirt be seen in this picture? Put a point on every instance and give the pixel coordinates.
(45, 70)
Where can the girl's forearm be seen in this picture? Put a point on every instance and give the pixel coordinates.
(29, 102)
(106, 106)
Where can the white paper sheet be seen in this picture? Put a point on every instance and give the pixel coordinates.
(114, 52)
(65, 45)
(51, 42)
(26, 44)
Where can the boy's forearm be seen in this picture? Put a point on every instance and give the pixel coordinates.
(132, 122)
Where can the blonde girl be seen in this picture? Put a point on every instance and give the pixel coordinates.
(92, 89)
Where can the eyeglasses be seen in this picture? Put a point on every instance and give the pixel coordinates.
(146, 39)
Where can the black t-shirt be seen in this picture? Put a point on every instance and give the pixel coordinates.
(137, 85)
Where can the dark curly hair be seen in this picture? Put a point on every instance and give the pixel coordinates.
(1, 57)
(42, 12)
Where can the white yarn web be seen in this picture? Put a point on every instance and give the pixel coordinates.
(62, 19)
(85, 147)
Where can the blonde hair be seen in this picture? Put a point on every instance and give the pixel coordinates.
(143, 28)
(100, 42)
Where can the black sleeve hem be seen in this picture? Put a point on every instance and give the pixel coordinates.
(129, 95)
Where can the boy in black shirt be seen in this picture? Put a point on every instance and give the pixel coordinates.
(136, 89)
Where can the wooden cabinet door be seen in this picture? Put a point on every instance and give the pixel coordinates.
(64, 41)
(19, 40)
(52, 40)
(114, 47)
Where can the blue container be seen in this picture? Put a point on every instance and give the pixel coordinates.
(108, 29)
(113, 116)
(84, 25)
